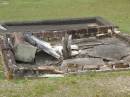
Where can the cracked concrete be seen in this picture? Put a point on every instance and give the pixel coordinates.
(100, 53)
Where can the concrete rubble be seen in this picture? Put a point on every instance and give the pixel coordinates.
(54, 53)
(73, 55)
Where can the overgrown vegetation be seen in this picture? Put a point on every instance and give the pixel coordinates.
(109, 84)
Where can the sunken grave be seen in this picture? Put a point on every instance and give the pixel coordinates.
(59, 47)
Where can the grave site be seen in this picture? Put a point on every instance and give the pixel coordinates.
(56, 48)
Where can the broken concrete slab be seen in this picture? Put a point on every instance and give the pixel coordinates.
(51, 76)
(127, 58)
(42, 58)
(113, 52)
(105, 68)
(82, 63)
(98, 47)
(46, 47)
(25, 53)
(118, 64)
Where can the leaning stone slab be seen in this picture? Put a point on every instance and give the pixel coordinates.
(25, 52)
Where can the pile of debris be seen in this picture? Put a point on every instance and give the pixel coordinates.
(32, 56)
(53, 53)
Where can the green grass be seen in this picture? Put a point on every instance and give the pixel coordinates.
(110, 84)
(116, 11)
(92, 84)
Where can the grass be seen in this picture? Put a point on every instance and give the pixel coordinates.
(116, 11)
(109, 84)
(92, 84)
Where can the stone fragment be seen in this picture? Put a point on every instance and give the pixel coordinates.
(25, 53)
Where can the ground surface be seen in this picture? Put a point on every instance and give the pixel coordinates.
(114, 84)
(89, 85)
(116, 11)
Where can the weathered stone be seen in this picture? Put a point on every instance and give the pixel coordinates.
(113, 52)
(82, 63)
(127, 58)
(43, 45)
(25, 53)
(18, 38)
(105, 67)
(67, 46)
(43, 58)
(118, 64)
